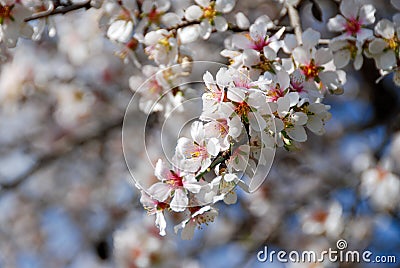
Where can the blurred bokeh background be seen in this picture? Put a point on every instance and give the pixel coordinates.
(65, 194)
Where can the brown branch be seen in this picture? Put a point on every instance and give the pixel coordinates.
(60, 10)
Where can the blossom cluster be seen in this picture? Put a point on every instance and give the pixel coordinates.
(270, 94)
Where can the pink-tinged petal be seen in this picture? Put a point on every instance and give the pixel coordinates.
(220, 24)
(236, 94)
(367, 14)
(257, 122)
(301, 55)
(385, 28)
(203, 3)
(240, 41)
(213, 147)
(193, 13)
(161, 223)
(250, 57)
(289, 43)
(310, 38)
(350, 8)
(160, 191)
(258, 31)
(387, 60)
(197, 132)
(283, 79)
(337, 24)
(297, 133)
(235, 127)
(242, 21)
(269, 53)
(315, 124)
(323, 56)
(185, 147)
(283, 106)
(358, 62)
(120, 30)
(341, 58)
(193, 187)
(205, 29)
(161, 171)
(180, 201)
(147, 6)
(224, 6)
(189, 34)
(146, 200)
(163, 5)
(299, 118)
(208, 79)
(223, 77)
(364, 34)
(377, 46)
(293, 98)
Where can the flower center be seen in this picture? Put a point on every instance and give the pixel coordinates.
(311, 70)
(175, 180)
(164, 42)
(209, 12)
(275, 93)
(154, 16)
(154, 87)
(198, 152)
(242, 109)
(353, 26)
(320, 216)
(260, 43)
(5, 13)
(393, 43)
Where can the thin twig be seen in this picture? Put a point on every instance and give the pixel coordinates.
(60, 10)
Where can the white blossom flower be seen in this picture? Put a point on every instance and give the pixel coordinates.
(209, 13)
(345, 50)
(323, 220)
(215, 94)
(356, 17)
(317, 116)
(194, 155)
(385, 48)
(248, 106)
(155, 207)
(222, 187)
(162, 47)
(199, 215)
(258, 38)
(318, 69)
(173, 183)
(382, 187)
(119, 20)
